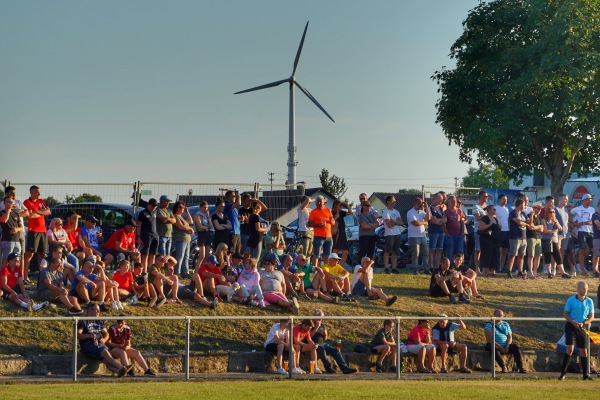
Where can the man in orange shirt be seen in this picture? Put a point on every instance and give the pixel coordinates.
(321, 219)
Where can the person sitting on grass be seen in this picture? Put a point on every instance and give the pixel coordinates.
(124, 279)
(384, 345)
(119, 342)
(92, 336)
(468, 277)
(212, 276)
(193, 291)
(52, 287)
(157, 275)
(13, 287)
(338, 279)
(419, 343)
(444, 281)
(141, 286)
(290, 274)
(313, 283)
(278, 343)
(272, 285)
(361, 283)
(111, 287)
(303, 343)
(88, 286)
(443, 337)
(249, 281)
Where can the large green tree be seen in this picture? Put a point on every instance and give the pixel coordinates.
(486, 176)
(525, 92)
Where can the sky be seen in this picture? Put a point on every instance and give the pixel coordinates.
(121, 91)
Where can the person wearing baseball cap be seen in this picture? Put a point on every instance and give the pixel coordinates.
(338, 279)
(164, 225)
(582, 220)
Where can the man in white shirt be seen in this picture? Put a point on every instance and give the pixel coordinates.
(502, 217)
(391, 223)
(417, 218)
(582, 220)
(305, 233)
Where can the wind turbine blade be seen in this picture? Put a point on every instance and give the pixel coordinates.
(299, 50)
(268, 85)
(311, 97)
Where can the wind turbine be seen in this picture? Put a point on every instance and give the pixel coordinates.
(292, 82)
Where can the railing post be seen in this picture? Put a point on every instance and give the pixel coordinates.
(187, 348)
(74, 349)
(493, 347)
(291, 347)
(398, 353)
(588, 352)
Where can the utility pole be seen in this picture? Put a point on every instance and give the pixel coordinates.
(271, 179)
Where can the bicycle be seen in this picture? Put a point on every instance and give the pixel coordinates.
(293, 245)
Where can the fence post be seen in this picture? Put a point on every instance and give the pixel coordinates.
(398, 353)
(74, 349)
(493, 347)
(291, 347)
(136, 196)
(588, 352)
(187, 348)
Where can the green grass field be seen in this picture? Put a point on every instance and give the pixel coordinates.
(506, 390)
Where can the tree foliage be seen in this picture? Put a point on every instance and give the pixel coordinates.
(524, 94)
(486, 176)
(51, 201)
(83, 198)
(415, 192)
(333, 184)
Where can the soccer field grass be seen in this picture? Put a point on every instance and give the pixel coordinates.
(356, 389)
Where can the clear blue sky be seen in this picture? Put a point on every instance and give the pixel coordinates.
(118, 91)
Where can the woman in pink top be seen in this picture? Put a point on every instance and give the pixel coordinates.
(249, 284)
(453, 228)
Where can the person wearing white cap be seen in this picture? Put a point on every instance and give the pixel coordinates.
(337, 278)
(443, 337)
(582, 220)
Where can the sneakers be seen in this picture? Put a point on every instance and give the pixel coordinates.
(562, 376)
(131, 372)
(335, 300)
(549, 276)
(214, 304)
(114, 305)
(352, 298)
(350, 371)
(161, 301)
(565, 276)
(587, 378)
(596, 274)
(295, 306)
(391, 301)
(134, 300)
(345, 297)
(122, 372)
(463, 299)
(509, 275)
(387, 270)
(149, 372)
(452, 299)
(103, 307)
(378, 367)
(38, 307)
(395, 271)
(152, 301)
(393, 368)
(281, 371)
(298, 371)
(254, 303)
(261, 303)
(318, 370)
(75, 311)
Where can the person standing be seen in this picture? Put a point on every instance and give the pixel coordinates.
(366, 234)
(164, 225)
(417, 218)
(502, 215)
(11, 225)
(340, 238)
(147, 236)
(596, 230)
(321, 219)
(37, 241)
(517, 237)
(436, 230)
(18, 206)
(305, 233)
(232, 204)
(478, 213)
(391, 223)
(582, 220)
(579, 312)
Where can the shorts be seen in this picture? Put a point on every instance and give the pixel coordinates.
(392, 243)
(416, 348)
(359, 289)
(93, 350)
(477, 241)
(584, 239)
(322, 245)
(436, 241)
(17, 290)
(505, 242)
(274, 297)
(564, 243)
(272, 348)
(534, 247)
(572, 333)
(47, 295)
(183, 292)
(437, 291)
(73, 293)
(37, 242)
(149, 246)
(235, 243)
(203, 239)
(596, 247)
(517, 247)
(449, 352)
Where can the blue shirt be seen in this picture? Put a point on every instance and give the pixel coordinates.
(579, 310)
(501, 333)
(445, 335)
(90, 235)
(233, 215)
(516, 231)
(91, 277)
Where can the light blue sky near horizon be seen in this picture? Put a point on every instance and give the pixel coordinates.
(119, 91)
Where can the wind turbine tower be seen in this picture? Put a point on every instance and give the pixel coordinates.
(292, 162)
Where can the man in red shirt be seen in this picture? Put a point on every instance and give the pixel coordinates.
(211, 276)
(13, 287)
(321, 219)
(303, 343)
(122, 241)
(37, 241)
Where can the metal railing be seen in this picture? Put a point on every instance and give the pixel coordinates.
(188, 321)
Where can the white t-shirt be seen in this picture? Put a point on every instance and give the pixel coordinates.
(502, 216)
(303, 218)
(478, 210)
(583, 214)
(415, 215)
(392, 215)
(356, 275)
(276, 332)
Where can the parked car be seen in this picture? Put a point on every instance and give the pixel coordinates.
(351, 228)
(111, 216)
